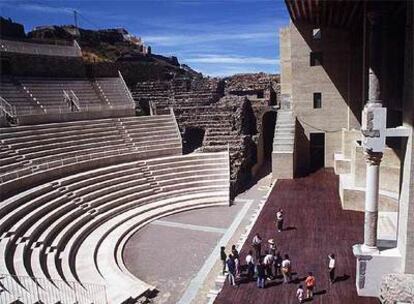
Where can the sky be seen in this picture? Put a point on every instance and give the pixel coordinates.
(215, 37)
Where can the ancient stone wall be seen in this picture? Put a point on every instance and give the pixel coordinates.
(210, 121)
(397, 288)
(225, 125)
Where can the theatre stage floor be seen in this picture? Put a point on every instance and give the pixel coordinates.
(315, 226)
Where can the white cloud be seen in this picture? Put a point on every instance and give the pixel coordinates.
(232, 59)
(43, 8)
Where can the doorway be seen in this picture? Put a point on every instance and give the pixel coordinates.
(268, 131)
(317, 151)
(192, 139)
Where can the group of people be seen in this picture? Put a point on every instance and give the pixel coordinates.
(270, 265)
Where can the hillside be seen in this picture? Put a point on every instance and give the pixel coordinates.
(105, 50)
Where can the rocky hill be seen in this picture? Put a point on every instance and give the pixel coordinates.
(105, 50)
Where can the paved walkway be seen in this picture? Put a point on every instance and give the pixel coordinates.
(316, 225)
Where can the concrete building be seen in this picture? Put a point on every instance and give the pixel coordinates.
(347, 84)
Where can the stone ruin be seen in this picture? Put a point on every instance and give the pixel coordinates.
(263, 91)
(212, 117)
(397, 288)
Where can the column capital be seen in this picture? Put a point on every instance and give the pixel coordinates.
(373, 158)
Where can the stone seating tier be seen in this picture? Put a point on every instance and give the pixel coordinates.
(65, 229)
(31, 150)
(45, 95)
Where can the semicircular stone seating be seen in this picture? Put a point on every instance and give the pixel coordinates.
(34, 154)
(62, 240)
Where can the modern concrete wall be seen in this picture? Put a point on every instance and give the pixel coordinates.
(340, 101)
(406, 214)
(285, 61)
(283, 165)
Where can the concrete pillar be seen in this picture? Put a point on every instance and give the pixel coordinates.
(374, 47)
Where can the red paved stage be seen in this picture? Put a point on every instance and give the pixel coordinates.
(316, 226)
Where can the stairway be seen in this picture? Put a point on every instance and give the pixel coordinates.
(284, 138)
(283, 145)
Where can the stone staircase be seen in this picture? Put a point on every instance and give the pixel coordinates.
(283, 145)
(284, 138)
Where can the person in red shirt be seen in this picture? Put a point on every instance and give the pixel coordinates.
(310, 285)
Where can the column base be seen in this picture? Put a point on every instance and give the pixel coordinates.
(371, 265)
(365, 249)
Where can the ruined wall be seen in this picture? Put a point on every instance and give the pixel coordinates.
(230, 120)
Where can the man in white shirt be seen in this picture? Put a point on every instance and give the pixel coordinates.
(331, 268)
(286, 269)
(268, 262)
(250, 264)
(279, 220)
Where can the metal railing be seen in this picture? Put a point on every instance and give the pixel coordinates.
(71, 100)
(152, 108)
(176, 127)
(127, 91)
(25, 289)
(66, 99)
(6, 108)
(77, 47)
(75, 100)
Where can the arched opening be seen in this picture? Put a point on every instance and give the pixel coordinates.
(192, 139)
(265, 145)
(268, 130)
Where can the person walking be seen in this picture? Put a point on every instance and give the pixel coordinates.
(331, 268)
(260, 270)
(279, 219)
(310, 283)
(223, 258)
(278, 264)
(268, 263)
(257, 245)
(250, 265)
(286, 269)
(231, 267)
(299, 294)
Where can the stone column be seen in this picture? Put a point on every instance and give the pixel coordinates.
(371, 200)
(373, 137)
